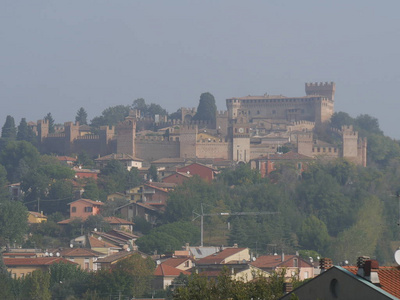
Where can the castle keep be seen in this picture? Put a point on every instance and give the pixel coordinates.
(252, 127)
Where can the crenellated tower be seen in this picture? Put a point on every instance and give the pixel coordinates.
(188, 139)
(325, 89)
(126, 134)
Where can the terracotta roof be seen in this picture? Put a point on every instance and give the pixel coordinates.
(36, 261)
(273, 261)
(84, 252)
(174, 262)
(115, 220)
(8, 254)
(219, 258)
(96, 243)
(166, 270)
(389, 278)
(115, 257)
(88, 201)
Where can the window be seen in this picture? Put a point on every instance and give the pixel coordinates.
(73, 209)
(306, 275)
(295, 263)
(88, 209)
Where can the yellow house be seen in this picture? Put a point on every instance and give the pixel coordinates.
(84, 257)
(20, 267)
(35, 217)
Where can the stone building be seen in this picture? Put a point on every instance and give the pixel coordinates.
(252, 127)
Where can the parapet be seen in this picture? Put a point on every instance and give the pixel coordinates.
(326, 89)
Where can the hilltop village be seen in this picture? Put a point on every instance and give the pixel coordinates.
(251, 128)
(272, 197)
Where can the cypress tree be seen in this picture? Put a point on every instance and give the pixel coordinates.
(9, 131)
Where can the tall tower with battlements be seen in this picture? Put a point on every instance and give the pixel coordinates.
(126, 135)
(188, 139)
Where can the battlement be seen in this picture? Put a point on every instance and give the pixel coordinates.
(222, 113)
(326, 89)
(320, 84)
(56, 135)
(212, 141)
(88, 137)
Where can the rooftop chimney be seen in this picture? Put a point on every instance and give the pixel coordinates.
(360, 264)
(369, 271)
(325, 264)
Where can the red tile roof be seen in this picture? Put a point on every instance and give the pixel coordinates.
(389, 278)
(116, 257)
(96, 243)
(88, 201)
(174, 262)
(80, 252)
(166, 270)
(219, 258)
(273, 261)
(36, 261)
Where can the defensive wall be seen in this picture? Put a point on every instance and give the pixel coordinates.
(152, 148)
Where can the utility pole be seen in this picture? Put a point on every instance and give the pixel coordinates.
(202, 215)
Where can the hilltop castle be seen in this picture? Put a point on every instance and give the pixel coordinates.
(252, 126)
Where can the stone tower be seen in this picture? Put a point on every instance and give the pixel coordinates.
(325, 89)
(126, 134)
(43, 129)
(188, 139)
(240, 132)
(233, 106)
(305, 144)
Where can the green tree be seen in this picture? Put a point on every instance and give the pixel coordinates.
(13, 222)
(207, 109)
(14, 153)
(81, 116)
(91, 190)
(314, 234)
(37, 286)
(140, 105)
(340, 119)
(25, 133)
(131, 277)
(49, 118)
(176, 115)
(9, 131)
(4, 193)
(153, 173)
(111, 116)
(169, 237)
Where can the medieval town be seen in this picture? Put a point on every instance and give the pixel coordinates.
(199, 150)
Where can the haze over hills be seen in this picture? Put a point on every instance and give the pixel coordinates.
(57, 57)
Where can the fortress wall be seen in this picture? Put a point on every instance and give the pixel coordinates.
(92, 145)
(55, 144)
(150, 150)
(212, 150)
(302, 126)
(292, 109)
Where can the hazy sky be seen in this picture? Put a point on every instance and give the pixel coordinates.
(56, 56)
